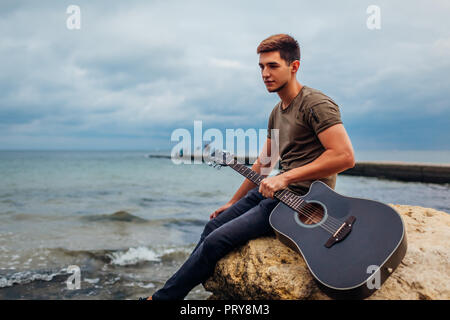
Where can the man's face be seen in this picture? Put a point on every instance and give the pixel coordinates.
(274, 70)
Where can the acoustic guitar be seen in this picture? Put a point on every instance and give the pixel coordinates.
(350, 245)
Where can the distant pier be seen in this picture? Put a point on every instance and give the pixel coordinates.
(403, 171)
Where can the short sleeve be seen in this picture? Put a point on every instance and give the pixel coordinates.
(323, 115)
(270, 126)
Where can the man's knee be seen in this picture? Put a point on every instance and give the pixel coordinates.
(216, 245)
(209, 227)
(209, 248)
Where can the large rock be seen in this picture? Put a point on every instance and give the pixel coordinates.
(264, 268)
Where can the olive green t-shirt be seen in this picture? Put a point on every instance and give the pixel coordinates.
(299, 123)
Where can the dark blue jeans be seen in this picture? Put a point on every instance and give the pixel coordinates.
(246, 219)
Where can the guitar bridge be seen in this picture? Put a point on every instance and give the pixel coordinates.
(341, 233)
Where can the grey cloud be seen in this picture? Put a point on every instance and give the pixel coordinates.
(145, 68)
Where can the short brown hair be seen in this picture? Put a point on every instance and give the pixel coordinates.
(284, 43)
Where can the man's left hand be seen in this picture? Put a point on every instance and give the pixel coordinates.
(270, 185)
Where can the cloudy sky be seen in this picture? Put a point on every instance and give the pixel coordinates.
(137, 70)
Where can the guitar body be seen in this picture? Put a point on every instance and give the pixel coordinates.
(357, 265)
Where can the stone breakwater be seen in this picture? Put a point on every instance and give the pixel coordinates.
(395, 170)
(403, 171)
(264, 268)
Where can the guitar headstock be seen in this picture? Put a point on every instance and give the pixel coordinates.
(219, 158)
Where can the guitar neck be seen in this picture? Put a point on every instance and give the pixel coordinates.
(286, 196)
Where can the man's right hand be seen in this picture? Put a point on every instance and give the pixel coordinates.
(220, 210)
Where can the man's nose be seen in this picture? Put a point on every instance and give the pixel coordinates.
(265, 73)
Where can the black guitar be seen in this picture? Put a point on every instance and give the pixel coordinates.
(350, 245)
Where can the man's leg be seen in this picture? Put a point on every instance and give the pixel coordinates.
(251, 199)
(216, 243)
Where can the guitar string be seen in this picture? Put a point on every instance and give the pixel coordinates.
(327, 226)
(312, 210)
(311, 214)
(308, 208)
(330, 227)
(333, 223)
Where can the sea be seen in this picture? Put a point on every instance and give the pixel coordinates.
(118, 224)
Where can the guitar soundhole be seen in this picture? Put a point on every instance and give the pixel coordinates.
(311, 213)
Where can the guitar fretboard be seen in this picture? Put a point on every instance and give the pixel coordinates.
(286, 196)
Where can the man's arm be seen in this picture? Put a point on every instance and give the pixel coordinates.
(337, 157)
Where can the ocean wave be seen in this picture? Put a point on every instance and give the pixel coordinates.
(151, 202)
(141, 285)
(25, 277)
(122, 216)
(9, 201)
(120, 257)
(183, 222)
(134, 256)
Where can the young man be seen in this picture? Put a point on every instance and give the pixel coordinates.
(313, 144)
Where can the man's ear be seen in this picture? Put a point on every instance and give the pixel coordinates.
(295, 65)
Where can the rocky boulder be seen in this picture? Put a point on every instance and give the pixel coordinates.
(265, 268)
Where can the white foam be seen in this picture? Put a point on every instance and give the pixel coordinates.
(146, 286)
(140, 284)
(112, 281)
(133, 256)
(91, 281)
(24, 277)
